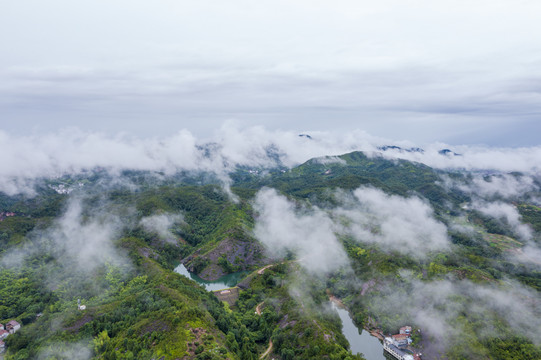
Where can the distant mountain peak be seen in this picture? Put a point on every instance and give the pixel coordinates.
(398, 148)
(448, 152)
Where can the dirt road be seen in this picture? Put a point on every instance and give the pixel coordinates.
(267, 352)
(258, 308)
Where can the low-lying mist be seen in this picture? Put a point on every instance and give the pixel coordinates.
(73, 247)
(26, 158)
(394, 223)
(308, 233)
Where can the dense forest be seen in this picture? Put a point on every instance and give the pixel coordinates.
(397, 242)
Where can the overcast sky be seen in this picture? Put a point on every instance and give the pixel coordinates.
(461, 72)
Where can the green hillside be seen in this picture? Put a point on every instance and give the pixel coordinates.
(137, 307)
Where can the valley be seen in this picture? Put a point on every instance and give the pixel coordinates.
(397, 242)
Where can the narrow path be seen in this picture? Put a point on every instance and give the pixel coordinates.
(267, 352)
(258, 308)
(262, 270)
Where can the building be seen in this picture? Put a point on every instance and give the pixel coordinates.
(4, 334)
(398, 345)
(401, 340)
(2, 346)
(2, 327)
(388, 345)
(405, 330)
(13, 326)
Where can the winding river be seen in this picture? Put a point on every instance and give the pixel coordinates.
(362, 343)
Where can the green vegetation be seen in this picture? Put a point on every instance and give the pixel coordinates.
(531, 214)
(137, 307)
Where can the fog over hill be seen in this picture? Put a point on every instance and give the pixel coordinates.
(381, 156)
(73, 151)
(445, 238)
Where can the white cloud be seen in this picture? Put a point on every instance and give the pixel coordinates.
(502, 185)
(325, 160)
(437, 307)
(525, 159)
(509, 213)
(79, 242)
(76, 351)
(405, 225)
(162, 224)
(282, 227)
(72, 150)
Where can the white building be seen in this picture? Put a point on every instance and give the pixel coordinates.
(13, 326)
(388, 345)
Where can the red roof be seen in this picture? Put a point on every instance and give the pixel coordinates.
(400, 336)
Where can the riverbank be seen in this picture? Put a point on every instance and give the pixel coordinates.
(377, 333)
(361, 341)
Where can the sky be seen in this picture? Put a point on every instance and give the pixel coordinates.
(460, 72)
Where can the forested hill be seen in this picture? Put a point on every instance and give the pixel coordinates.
(350, 171)
(452, 254)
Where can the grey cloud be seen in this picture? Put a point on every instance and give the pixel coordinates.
(260, 98)
(196, 66)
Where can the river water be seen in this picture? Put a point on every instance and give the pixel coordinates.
(224, 282)
(362, 343)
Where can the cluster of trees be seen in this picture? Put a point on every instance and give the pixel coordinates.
(147, 311)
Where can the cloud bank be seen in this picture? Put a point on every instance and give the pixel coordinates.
(367, 63)
(72, 151)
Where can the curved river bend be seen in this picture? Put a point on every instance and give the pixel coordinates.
(362, 343)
